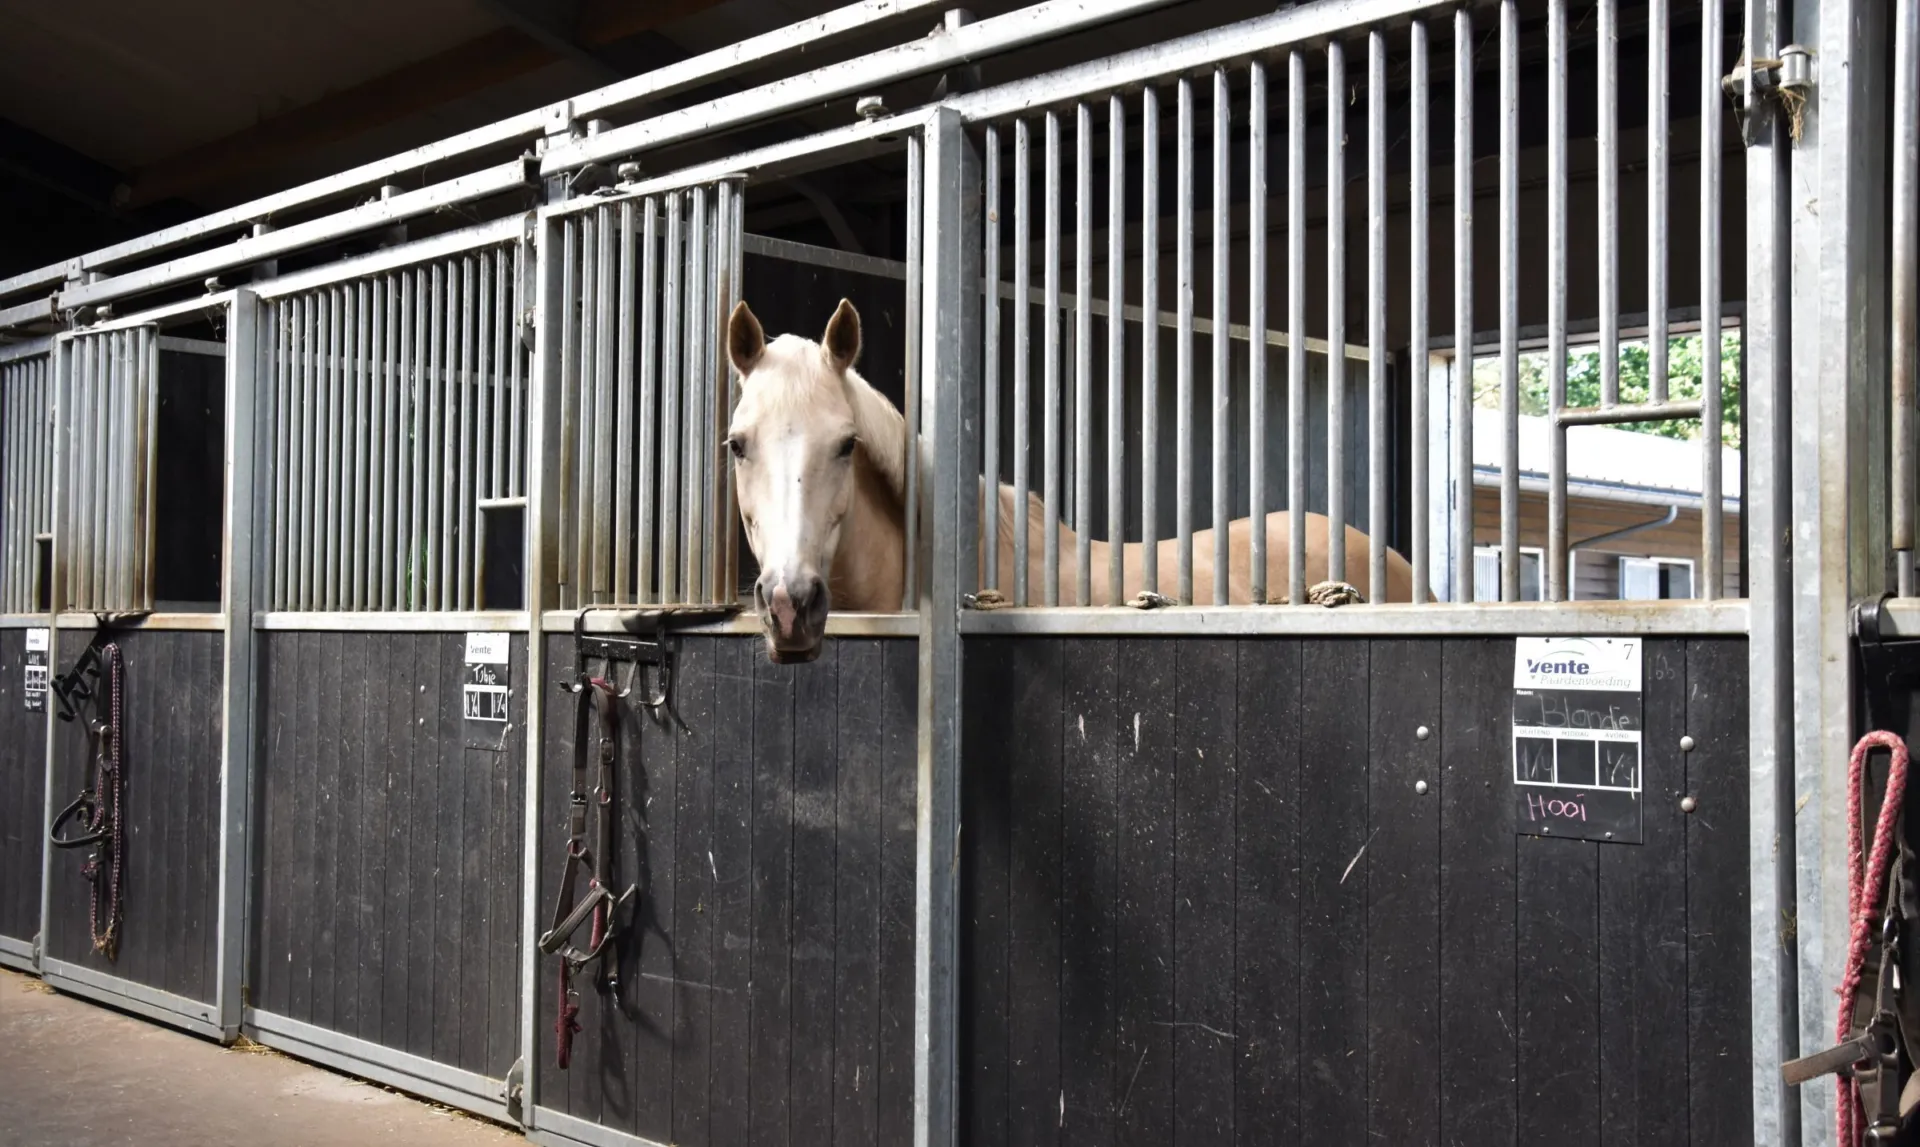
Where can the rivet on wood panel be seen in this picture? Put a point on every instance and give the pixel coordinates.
(1686, 744)
(1420, 787)
(1422, 733)
(1687, 804)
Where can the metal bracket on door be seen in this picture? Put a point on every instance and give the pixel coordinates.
(1789, 79)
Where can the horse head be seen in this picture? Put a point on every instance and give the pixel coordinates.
(819, 460)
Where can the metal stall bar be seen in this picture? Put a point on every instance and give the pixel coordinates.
(363, 440)
(599, 433)
(1509, 302)
(1658, 225)
(646, 571)
(693, 395)
(1116, 346)
(1022, 352)
(1336, 311)
(670, 454)
(729, 271)
(1050, 372)
(1220, 340)
(1183, 348)
(334, 485)
(1257, 321)
(1149, 340)
(1712, 124)
(1421, 146)
(1297, 392)
(147, 476)
(244, 509)
(1906, 282)
(1558, 582)
(623, 504)
(1377, 420)
(445, 440)
(463, 516)
(1083, 355)
(407, 489)
(990, 361)
(916, 243)
(568, 567)
(1461, 436)
(1607, 214)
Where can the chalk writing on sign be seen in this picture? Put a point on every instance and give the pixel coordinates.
(489, 679)
(1577, 721)
(36, 670)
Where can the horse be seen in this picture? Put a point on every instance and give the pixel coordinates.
(820, 475)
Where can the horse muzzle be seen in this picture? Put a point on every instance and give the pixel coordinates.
(793, 612)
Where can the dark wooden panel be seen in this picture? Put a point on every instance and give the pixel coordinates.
(1477, 893)
(985, 1002)
(816, 719)
(1557, 960)
(688, 872)
(23, 788)
(1033, 893)
(731, 860)
(1205, 699)
(171, 701)
(1403, 892)
(388, 850)
(1088, 891)
(1643, 929)
(1719, 976)
(895, 982)
(1333, 890)
(770, 999)
(1149, 748)
(859, 780)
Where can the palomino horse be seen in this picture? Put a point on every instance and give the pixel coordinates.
(820, 463)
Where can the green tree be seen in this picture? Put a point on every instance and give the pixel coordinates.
(1686, 364)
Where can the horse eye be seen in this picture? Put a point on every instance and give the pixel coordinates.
(846, 447)
(738, 448)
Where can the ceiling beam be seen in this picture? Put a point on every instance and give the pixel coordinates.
(459, 71)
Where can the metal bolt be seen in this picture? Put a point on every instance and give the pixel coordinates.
(1420, 787)
(1609, 836)
(1686, 744)
(1687, 804)
(628, 172)
(870, 107)
(1422, 733)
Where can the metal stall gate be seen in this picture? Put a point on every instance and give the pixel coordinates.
(393, 416)
(136, 563)
(26, 470)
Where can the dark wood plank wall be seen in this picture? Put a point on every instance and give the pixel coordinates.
(171, 794)
(1205, 903)
(23, 787)
(769, 997)
(389, 854)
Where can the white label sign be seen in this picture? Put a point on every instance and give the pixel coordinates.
(488, 648)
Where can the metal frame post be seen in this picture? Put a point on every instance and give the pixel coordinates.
(1839, 504)
(61, 362)
(949, 403)
(243, 517)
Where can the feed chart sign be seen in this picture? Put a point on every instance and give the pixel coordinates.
(1576, 738)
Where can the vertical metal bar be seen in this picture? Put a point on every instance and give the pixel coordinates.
(12, 477)
(698, 287)
(1336, 311)
(335, 516)
(1462, 429)
(107, 371)
(990, 362)
(649, 587)
(604, 340)
(1183, 344)
(1377, 420)
(363, 440)
(1559, 586)
(1906, 283)
(623, 419)
(1050, 317)
(1712, 559)
(516, 386)
(426, 368)
(1221, 341)
(1607, 217)
(1083, 356)
(445, 515)
(380, 546)
(149, 470)
(738, 263)
(407, 431)
(585, 417)
(566, 479)
(916, 242)
(1256, 333)
(1116, 349)
(494, 374)
(1150, 340)
(670, 409)
(721, 509)
(1297, 392)
(481, 446)
(1509, 301)
(463, 518)
(303, 471)
(1022, 354)
(1658, 224)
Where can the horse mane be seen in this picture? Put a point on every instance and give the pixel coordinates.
(882, 430)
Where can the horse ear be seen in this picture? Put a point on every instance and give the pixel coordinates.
(842, 341)
(746, 342)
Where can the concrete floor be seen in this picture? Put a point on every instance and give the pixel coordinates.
(76, 1075)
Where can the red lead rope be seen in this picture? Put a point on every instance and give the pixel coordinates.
(1866, 877)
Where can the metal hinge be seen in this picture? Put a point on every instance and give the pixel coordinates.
(1788, 79)
(513, 1088)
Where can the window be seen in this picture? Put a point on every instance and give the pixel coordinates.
(1655, 579)
(1486, 573)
